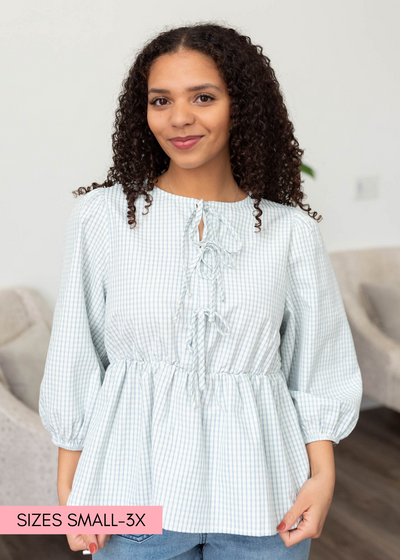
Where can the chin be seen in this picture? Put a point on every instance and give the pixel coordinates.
(187, 165)
(188, 161)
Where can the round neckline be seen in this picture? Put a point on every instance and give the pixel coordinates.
(191, 199)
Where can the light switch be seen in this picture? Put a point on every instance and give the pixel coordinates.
(367, 187)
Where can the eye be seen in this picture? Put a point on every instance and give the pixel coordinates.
(154, 101)
(205, 95)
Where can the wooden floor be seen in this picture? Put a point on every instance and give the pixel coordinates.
(363, 522)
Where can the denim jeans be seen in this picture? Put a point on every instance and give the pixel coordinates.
(201, 546)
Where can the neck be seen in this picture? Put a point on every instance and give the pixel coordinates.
(202, 183)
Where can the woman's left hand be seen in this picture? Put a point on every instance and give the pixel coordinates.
(313, 502)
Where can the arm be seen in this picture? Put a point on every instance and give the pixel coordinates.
(321, 370)
(77, 358)
(321, 457)
(317, 349)
(67, 463)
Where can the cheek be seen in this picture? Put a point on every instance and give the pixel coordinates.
(219, 126)
(155, 124)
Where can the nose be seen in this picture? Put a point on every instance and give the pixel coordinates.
(181, 114)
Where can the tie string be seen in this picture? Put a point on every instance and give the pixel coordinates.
(212, 245)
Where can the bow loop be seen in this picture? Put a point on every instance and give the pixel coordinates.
(220, 324)
(196, 344)
(202, 261)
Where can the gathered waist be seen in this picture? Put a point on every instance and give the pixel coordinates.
(214, 379)
(262, 372)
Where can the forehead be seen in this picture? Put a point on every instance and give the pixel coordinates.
(183, 69)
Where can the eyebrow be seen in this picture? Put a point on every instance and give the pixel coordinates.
(193, 88)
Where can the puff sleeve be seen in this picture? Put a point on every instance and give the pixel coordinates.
(317, 349)
(77, 359)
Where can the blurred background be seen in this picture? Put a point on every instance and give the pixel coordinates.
(62, 66)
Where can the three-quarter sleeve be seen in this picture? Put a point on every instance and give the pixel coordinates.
(317, 350)
(77, 359)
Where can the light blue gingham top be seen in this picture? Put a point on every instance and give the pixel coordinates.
(192, 373)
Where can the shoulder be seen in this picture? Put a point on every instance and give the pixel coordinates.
(87, 203)
(106, 205)
(90, 213)
(304, 233)
(300, 223)
(101, 197)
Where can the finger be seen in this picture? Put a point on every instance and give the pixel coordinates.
(294, 536)
(91, 543)
(76, 542)
(290, 518)
(101, 540)
(303, 530)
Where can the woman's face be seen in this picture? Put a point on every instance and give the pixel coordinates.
(177, 112)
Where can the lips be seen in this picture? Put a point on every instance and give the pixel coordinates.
(184, 138)
(186, 142)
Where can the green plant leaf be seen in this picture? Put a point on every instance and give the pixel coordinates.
(307, 169)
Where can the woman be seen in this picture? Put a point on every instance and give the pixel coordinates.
(201, 359)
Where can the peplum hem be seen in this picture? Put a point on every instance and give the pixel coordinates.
(144, 424)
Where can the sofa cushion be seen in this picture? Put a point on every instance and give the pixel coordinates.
(14, 318)
(383, 306)
(23, 360)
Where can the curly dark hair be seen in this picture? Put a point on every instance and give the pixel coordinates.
(264, 153)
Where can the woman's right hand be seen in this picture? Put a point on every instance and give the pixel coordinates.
(87, 542)
(67, 463)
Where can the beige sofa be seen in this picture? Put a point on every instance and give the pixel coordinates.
(28, 457)
(377, 353)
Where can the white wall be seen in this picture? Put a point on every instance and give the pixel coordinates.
(62, 67)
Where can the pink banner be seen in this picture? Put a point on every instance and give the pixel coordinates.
(80, 520)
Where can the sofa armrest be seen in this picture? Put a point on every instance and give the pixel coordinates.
(378, 357)
(28, 457)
